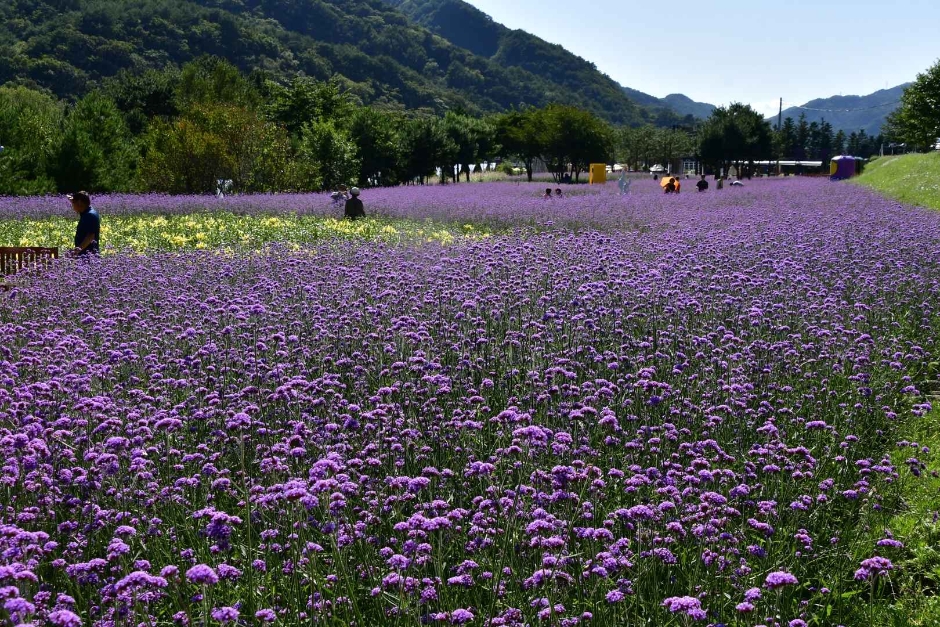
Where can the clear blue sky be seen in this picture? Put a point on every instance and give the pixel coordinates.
(721, 51)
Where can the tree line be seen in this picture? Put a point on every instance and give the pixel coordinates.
(180, 131)
(916, 121)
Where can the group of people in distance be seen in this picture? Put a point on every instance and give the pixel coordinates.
(558, 193)
(674, 184)
(352, 204)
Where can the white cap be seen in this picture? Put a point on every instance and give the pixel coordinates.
(354, 191)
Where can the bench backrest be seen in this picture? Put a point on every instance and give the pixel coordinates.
(14, 259)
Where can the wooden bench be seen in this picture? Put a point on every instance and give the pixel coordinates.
(16, 259)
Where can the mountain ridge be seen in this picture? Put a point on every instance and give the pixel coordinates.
(850, 113)
(466, 26)
(383, 57)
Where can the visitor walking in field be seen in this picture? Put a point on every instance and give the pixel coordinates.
(88, 231)
(702, 185)
(354, 207)
(623, 183)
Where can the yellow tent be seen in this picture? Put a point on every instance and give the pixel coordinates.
(598, 173)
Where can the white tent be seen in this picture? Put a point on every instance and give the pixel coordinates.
(657, 168)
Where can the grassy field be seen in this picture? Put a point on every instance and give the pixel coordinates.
(913, 179)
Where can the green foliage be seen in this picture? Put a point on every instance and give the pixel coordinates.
(573, 139)
(735, 134)
(181, 158)
(813, 141)
(95, 151)
(305, 100)
(375, 135)
(212, 142)
(917, 120)
(519, 134)
(328, 156)
(425, 147)
(913, 179)
(648, 145)
(30, 127)
(142, 96)
(212, 80)
(209, 122)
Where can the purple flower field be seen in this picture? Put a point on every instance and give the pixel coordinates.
(691, 420)
(501, 204)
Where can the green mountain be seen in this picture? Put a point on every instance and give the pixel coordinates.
(851, 113)
(468, 27)
(69, 47)
(683, 105)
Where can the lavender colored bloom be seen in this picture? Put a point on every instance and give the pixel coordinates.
(224, 614)
(64, 618)
(202, 574)
(682, 604)
(778, 579)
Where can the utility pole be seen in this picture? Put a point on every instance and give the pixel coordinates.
(779, 124)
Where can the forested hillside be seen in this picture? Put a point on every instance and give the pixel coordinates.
(381, 56)
(468, 27)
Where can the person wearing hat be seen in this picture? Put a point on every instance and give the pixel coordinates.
(88, 231)
(354, 208)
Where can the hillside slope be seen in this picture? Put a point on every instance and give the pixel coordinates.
(683, 105)
(913, 179)
(70, 46)
(851, 113)
(465, 26)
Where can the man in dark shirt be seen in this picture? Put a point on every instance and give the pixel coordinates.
(354, 208)
(88, 231)
(702, 185)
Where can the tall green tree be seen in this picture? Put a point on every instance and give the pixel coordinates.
(736, 134)
(180, 157)
(142, 96)
(574, 139)
(918, 118)
(217, 141)
(30, 131)
(802, 138)
(838, 144)
(519, 135)
(786, 140)
(377, 139)
(328, 156)
(96, 151)
(305, 100)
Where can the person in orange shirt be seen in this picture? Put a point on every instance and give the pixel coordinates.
(678, 185)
